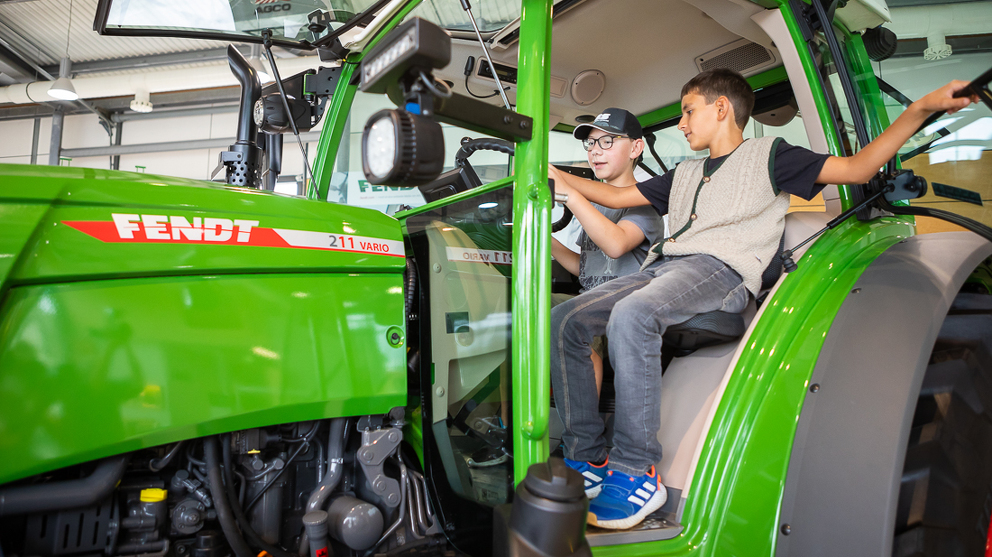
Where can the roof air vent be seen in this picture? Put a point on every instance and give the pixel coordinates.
(742, 56)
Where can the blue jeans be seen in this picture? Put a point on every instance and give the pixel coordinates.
(633, 312)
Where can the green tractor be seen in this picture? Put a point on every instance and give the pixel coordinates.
(191, 369)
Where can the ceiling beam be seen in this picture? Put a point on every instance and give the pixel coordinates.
(220, 98)
(150, 61)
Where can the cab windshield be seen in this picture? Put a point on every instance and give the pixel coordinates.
(236, 20)
(490, 15)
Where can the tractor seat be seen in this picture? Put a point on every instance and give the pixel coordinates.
(717, 327)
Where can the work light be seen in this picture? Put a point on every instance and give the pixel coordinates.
(400, 148)
(414, 47)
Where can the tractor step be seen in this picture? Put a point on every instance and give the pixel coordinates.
(659, 525)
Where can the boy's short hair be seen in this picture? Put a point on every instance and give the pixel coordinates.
(712, 84)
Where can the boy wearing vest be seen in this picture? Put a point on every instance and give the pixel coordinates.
(726, 216)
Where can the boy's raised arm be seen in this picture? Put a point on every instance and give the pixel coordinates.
(598, 192)
(860, 167)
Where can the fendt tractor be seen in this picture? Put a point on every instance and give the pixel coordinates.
(200, 369)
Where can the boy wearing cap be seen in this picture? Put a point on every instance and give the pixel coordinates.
(727, 212)
(613, 242)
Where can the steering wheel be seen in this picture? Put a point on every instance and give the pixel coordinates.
(470, 146)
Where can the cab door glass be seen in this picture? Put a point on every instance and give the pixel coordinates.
(835, 93)
(348, 183)
(464, 261)
(954, 153)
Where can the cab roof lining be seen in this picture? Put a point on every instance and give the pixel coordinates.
(645, 48)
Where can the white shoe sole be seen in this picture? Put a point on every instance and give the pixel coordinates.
(654, 503)
(592, 492)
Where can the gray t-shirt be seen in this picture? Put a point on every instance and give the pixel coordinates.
(595, 267)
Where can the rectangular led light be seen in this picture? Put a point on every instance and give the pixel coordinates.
(417, 45)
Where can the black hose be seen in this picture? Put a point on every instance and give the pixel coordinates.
(411, 287)
(224, 515)
(239, 515)
(65, 494)
(156, 464)
(978, 228)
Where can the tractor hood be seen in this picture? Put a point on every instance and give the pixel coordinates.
(68, 224)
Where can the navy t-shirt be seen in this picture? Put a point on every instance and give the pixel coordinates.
(796, 169)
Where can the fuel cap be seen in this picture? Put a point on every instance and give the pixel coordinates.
(554, 480)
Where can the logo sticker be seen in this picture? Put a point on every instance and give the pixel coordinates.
(470, 255)
(174, 229)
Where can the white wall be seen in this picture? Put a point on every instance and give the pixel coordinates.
(84, 131)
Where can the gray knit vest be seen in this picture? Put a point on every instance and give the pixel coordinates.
(734, 214)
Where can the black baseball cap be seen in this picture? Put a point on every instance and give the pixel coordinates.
(613, 120)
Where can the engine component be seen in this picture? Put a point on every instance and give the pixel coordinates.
(266, 515)
(354, 522)
(188, 516)
(181, 499)
(66, 494)
(224, 516)
(73, 531)
(210, 543)
(243, 159)
(315, 523)
(251, 441)
(377, 446)
(181, 482)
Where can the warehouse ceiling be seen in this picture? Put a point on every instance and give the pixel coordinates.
(33, 39)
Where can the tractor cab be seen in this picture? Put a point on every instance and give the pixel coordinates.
(438, 122)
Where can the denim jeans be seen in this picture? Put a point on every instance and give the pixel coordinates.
(633, 311)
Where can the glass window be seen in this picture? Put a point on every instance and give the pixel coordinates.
(463, 251)
(835, 93)
(954, 153)
(234, 18)
(348, 183)
(490, 15)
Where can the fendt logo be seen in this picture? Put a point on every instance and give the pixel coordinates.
(175, 229)
(162, 227)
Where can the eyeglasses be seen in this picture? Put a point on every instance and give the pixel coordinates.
(605, 142)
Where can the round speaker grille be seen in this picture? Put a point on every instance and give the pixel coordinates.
(588, 86)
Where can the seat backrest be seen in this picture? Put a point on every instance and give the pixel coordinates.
(717, 327)
(774, 269)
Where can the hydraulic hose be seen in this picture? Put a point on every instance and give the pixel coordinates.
(224, 515)
(411, 286)
(335, 463)
(66, 494)
(156, 464)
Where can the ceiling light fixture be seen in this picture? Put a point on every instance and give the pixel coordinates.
(62, 89)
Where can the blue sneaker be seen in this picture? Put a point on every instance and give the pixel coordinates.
(592, 474)
(627, 500)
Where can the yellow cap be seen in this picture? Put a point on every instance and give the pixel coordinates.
(153, 495)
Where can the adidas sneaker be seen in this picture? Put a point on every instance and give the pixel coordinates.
(627, 500)
(592, 474)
